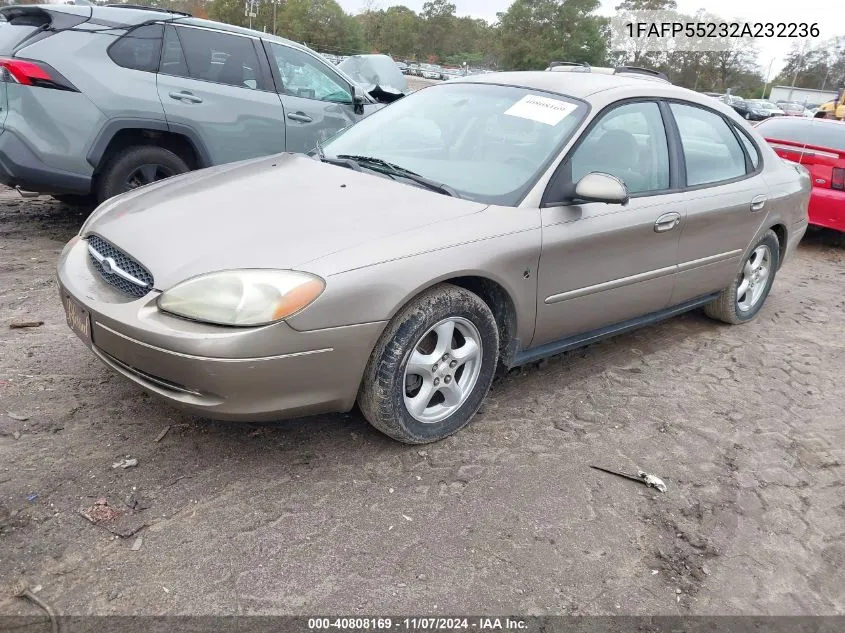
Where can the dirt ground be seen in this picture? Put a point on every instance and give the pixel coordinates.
(745, 425)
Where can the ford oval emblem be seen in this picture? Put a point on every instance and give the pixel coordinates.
(108, 265)
(820, 181)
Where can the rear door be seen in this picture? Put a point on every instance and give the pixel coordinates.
(317, 100)
(214, 84)
(726, 198)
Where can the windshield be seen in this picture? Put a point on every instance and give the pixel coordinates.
(375, 70)
(489, 143)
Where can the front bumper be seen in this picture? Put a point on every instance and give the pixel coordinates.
(249, 374)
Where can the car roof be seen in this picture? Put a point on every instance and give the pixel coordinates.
(583, 84)
(129, 16)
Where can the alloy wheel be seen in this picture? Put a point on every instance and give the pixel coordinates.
(146, 174)
(442, 370)
(755, 276)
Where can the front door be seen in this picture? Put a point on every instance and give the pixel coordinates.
(604, 264)
(212, 83)
(317, 100)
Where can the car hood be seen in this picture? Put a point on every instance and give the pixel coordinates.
(277, 212)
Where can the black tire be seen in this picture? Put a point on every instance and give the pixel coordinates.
(156, 163)
(382, 394)
(726, 307)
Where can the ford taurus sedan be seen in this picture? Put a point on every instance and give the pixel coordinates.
(488, 221)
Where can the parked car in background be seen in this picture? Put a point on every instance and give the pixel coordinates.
(378, 75)
(403, 67)
(743, 108)
(819, 145)
(791, 108)
(100, 100)
(493, 219)
(764, 108)
(430, 71)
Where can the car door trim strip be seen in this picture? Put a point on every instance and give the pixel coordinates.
(646, 276)
(712, 259)
(612, 284)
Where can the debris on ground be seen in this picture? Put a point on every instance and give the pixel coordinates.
(19, 417)
(161, 435)
(22, 590)
(643, 477)
(16, 435)
(123, 524)
(101, 512)
(652, 481)
(19, 325)
(137, 544)
(32, 497)
(129, 462)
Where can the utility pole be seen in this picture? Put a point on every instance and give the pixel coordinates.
(274, 16)
(797, 68)
(768, 78)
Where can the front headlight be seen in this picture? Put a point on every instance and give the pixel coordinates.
(242, 298)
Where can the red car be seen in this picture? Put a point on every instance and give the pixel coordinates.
(819, 145)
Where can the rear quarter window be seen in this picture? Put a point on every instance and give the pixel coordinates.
(139, 49)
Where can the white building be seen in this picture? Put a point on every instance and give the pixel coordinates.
(801, 95)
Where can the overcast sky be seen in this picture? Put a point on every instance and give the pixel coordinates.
(831, 20)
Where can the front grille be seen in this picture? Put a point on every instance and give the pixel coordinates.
(115, 266)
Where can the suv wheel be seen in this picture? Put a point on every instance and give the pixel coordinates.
(135, 167)
(741, 301)
(432, 366)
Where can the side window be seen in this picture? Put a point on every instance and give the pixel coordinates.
(139, 49)
(711, 152)
(304, 76)
(628, 142)
(172, 57)
(750, 148)
(211, 56)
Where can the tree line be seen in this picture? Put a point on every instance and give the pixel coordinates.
(528, 35)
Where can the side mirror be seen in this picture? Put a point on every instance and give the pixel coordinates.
(358, 99)
(599, 187)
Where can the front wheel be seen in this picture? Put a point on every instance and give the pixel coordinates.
(432, 366)
(742, 300)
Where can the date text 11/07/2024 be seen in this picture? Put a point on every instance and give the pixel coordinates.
(722, 29)
(417, 624)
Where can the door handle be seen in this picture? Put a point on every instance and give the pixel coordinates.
(299, 116)
(758, 202)
(186, 96)
(667, 222)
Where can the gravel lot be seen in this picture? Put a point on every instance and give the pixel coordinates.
(325, 515)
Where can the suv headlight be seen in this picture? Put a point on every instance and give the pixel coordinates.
(242, 298)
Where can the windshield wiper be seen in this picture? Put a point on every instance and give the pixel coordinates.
(391, 169)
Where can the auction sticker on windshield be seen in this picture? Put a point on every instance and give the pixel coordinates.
(540, 109)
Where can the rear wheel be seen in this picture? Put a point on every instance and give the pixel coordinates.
(432, 366)
(742, 300)
(135, 167)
